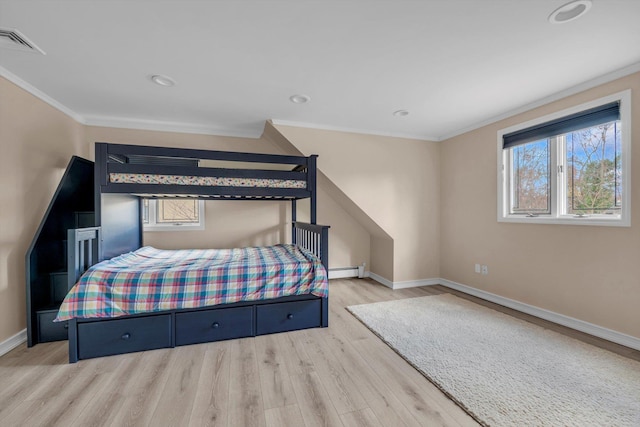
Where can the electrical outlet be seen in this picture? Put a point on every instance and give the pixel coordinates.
(485, 269)
(477, 268)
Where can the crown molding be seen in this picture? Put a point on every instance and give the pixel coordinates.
(179, 127)
(352, 130)
(40, 95)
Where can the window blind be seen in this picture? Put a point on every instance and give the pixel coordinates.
(584, 119)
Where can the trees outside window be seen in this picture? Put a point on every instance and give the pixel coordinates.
(594, 171)
(172, 214)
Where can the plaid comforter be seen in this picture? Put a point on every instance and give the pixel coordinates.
(151, 279)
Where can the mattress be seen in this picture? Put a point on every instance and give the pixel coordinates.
(133, 178)
(150, 280)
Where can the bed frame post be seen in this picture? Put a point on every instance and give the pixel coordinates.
(324, 306)
(99, 179)
(73, 340)
(294, 211)
(312, 182)
(84, 249)
(324, 258)
(324, 245)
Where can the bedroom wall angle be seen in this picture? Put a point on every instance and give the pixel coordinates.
(395, 182)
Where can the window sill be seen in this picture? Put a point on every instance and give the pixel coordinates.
(173, 228)
(613, 221)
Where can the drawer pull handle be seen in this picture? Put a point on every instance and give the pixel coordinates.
(126, 336)
(66, 326)
(215, 325)
(289, 316)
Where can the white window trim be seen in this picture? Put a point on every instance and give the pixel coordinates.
(622, 220)
(153, 226)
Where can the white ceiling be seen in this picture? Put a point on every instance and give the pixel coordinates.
(453, 64)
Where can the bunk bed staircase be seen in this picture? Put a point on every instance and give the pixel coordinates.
(47, 279)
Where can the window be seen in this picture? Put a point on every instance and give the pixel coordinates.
(172, 214)
(572, 167)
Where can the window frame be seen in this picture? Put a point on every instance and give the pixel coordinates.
(155, 226)
(504, 170)
(509, 166)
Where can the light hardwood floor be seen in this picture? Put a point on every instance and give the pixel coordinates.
(337, 376)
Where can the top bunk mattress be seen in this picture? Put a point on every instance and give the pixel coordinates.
(138, 178)
(150, 280)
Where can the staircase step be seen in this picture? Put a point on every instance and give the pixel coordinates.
(84, 219)
(59, 286)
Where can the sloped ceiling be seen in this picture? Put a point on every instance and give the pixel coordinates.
(452, 64)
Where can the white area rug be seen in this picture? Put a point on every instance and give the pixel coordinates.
(504, 371)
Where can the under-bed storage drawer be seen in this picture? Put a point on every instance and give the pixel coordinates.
(48, 330)
(288, 316)
(119, 336)
(214, 325)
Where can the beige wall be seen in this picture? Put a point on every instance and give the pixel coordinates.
(349, 241)
(396, 182)
(382, 260)
(230, 224)
(36, 143)
(586, 272)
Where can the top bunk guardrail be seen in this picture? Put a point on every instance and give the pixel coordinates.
(163, 171)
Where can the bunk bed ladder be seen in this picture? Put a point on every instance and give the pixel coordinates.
(312, 185)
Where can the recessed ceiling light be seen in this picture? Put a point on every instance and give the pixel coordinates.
(161, 80)
(570, 11)
(299, 99)
(400, 113)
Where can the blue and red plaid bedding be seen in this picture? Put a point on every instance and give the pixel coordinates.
(151, 279)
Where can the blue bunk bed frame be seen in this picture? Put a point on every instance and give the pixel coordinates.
(119, 230)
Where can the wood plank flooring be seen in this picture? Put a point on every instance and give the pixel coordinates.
(337, 376)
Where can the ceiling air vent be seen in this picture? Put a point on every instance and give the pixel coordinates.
(13, 39)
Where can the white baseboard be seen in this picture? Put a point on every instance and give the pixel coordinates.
(12, 342)
(415, 283)
(406, 284)
(570, 322)
(560, 319)
(343, 273)
(388, 283)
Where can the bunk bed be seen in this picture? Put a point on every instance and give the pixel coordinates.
(287, 292)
